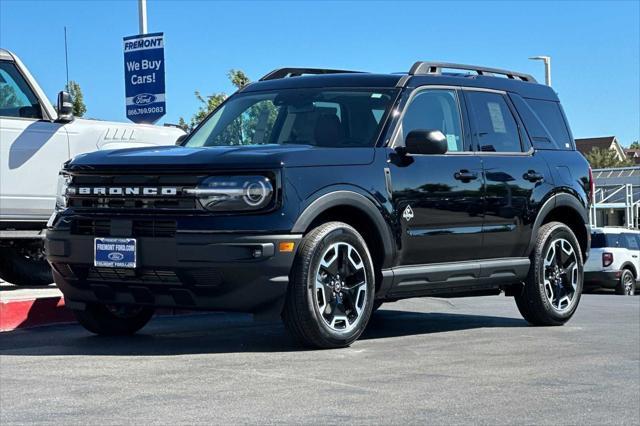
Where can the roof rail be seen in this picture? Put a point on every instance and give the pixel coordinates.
(422, 68)
(295, 72)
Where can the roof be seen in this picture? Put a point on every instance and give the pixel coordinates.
(355, 80)
(634, 154)
(5, 54)
(585, 145)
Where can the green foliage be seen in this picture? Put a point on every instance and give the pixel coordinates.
(209, 103)
(8, 97)
(635, 145)
(600, 158)
(79, 108)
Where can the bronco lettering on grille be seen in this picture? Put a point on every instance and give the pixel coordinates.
(167, 191)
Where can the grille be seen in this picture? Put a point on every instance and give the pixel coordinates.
(198, 278)
(140, 228)
(136, 199)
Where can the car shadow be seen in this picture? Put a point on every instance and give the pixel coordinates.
(225, 333)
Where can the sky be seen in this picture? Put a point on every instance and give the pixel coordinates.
(595, 46)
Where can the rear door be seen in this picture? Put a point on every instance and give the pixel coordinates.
(437, 198)
(516, 179)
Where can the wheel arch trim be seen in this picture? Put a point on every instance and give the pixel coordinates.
(351, 198)
(561, 199)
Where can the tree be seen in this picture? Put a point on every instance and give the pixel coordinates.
(209, 103)
(79, 108)
(601, 158)
(635, 145)
(8, 97)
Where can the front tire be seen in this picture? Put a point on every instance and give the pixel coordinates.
(330, 295)
(627, 284)
(112, 320)
(554, 285)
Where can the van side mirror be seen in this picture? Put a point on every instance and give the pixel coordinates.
(181, 139)
(426, 142)
(65, 107)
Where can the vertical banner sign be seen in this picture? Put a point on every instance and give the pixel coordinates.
(144, 77)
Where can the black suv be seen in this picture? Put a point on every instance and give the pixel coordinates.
(317, 195)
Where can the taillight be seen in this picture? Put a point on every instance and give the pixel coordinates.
(607, 259)
(592, 187)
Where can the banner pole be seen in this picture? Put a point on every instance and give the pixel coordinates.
(142, 16)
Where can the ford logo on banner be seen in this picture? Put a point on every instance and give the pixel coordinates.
(144, 77)
(144, 99)
(115, 256)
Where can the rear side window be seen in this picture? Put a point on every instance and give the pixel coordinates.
(496, 129)
(551, 116)
(599, 240)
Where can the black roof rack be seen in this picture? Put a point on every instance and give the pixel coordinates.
(295, 72)
(422, 68)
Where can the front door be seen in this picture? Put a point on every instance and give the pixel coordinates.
(437, 198)
(32, 151)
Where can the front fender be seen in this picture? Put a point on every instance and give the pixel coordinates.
(352, 197)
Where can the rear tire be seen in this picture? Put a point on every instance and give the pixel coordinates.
(22, 270)
(554, 285)
(330, 296)
(108, 320)
(627, 284)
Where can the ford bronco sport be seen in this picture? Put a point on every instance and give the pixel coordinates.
(317, 195)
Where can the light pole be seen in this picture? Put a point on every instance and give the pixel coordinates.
(547, 67)
(142, 16)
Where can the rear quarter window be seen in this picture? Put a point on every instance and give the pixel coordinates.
(551, 116)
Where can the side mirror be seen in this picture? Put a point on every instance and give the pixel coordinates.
(65, 107)
(181, 139)
(426, 142)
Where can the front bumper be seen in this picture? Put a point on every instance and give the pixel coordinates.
(194, 270)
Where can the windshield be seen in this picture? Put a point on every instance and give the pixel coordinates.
(319, 117)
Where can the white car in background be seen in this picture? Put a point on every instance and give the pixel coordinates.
(614, 260)
(35, 140)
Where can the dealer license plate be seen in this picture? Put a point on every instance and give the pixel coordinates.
(114, 252)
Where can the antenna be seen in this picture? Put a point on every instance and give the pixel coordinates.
(66, 56)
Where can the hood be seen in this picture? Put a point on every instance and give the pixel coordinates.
(114, 135)
(223, 157)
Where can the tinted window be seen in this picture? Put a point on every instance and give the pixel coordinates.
(599, 240)
(16, 97)
(320, 117)
(435, 110)
(551, 116)
(631, 242)
(496, 129)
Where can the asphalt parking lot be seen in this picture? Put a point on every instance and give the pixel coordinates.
(426, 361)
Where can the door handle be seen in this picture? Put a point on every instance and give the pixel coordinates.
(465, 175)
(533, 176)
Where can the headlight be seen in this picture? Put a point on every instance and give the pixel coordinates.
(61, 194)
(234, 193)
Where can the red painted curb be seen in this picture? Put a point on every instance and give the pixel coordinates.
(16, 314)
(31, 313)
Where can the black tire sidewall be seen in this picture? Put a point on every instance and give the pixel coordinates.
(341, 233)
(555, 232)
(99, 320)
(621, 288)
